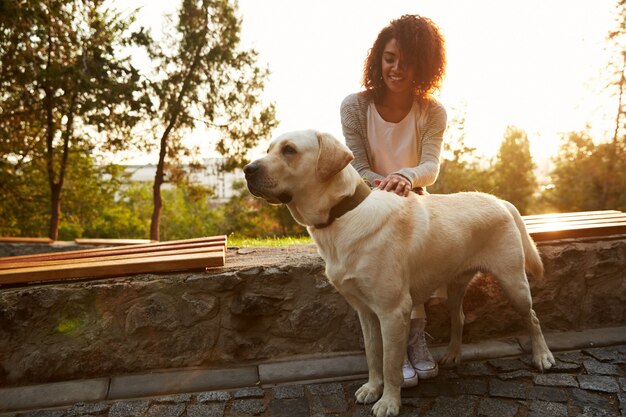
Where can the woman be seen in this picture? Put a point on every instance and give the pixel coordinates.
(395, 130)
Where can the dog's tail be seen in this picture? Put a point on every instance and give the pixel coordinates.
(531, 255)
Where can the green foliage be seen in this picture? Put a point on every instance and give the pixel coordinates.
(513, 172)
(581, 174)
(246, 215)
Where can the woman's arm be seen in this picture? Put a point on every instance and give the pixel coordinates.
(428, 169)
(352, 128)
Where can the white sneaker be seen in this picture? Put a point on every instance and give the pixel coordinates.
(419, 355)
(409, 374)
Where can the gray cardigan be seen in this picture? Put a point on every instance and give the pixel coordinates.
(429, 128)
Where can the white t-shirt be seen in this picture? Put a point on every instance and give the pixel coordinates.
(393, 145)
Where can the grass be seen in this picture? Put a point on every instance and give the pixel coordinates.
(239, 241)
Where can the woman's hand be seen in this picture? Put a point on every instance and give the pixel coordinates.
(395, 183)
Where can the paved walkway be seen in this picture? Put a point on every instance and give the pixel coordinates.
(587, 382)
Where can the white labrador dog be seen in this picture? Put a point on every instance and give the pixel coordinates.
(384, 253)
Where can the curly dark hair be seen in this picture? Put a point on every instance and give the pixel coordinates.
(422, 47)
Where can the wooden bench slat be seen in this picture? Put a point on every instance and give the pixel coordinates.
(75, 261)
(106, 252)
(592, 230)
(221, 239)
(115, 242)
(111, 268)
(574, 224)
(26, 240)
(573, 213)
(575, 218)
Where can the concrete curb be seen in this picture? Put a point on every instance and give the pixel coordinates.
(296, 370)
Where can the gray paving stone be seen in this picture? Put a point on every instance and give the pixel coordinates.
(176, 399)
(604, 354)
(206, 410)
(474, 369)
(622, 402)
(622, 383)
(249, 392)
(325, 389)
(556, 380)
(551, 394)
(81, 409)
(507, 389)
(248, 406)
(469, 386)
(547, 409)
(564, 366)
(330, 403)
(214, 396)
(289, 407)
(595, 367)
(166, 410)
(596, 412)
(363, 410)
(128, 408)
(598, 383)
(432, 388)
(582, 399)
(461, 406)
(45, 413)
(492, 407)
(288, 391)
(507, 364)
(522, 373)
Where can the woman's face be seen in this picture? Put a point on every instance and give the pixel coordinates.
(398, 77)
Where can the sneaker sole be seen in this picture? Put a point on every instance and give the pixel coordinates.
(410, 383)
(431, 373)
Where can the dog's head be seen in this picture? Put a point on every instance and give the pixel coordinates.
(297, 163)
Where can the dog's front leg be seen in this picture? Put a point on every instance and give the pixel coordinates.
(394, 330)
(372, 390)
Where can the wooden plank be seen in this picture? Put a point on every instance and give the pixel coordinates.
(114, 242)
(154, 255)
(26, 240)
(573, 213)
(148, 247)
(573, 224)
(93, 253)
(112, 268)
(575, 218)
(595, 230)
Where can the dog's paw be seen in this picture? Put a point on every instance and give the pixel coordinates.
(544, 360)
(451, 358)
(386, 407)
(368, 393)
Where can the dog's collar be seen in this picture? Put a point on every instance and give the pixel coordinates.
(346, 204)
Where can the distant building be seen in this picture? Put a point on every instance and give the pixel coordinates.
(209, 176)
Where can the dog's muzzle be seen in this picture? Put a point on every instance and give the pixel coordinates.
(256, 185)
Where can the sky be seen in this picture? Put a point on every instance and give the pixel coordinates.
(536, 64)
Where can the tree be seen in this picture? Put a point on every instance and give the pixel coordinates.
(64, 86)
(513, 172)
(580, 174)
(460, 168)
(203, 78)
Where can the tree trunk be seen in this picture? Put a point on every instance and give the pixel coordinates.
(55, 211)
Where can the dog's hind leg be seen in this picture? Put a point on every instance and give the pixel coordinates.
(456, 292)
(515, 285)
(373, 388)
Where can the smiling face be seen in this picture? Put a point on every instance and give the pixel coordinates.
(397, 75)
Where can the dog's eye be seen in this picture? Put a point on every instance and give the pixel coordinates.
(289, 150)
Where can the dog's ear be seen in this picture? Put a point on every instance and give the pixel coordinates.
(333, 156)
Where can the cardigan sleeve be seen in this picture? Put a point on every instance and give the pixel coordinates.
(426, 172)
(354, 131)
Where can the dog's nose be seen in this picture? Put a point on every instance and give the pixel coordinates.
(250, 169)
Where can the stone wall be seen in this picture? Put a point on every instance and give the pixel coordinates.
(266, 304)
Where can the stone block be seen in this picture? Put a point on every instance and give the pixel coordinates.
(172, 382)
(53, 394)
(495, 407)
(598, 383)
(312, 369)
(556, 380)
